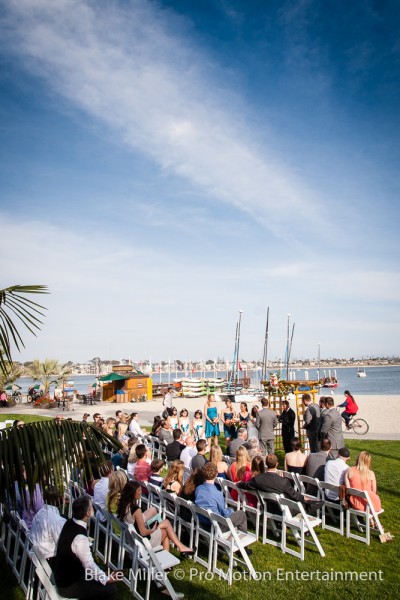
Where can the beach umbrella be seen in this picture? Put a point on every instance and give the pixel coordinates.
(13, 387)
(112, 377)
(94, 385)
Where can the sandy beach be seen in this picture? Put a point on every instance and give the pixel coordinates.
(381, 412)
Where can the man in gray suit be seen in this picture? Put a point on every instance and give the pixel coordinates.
(311, 421)
(266, 421)
(332, 427)
(316, 461)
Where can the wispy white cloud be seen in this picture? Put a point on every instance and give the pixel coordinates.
(135, 71)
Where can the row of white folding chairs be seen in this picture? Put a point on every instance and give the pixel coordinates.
(361, 520)
(287, 515)
(15, 543)
(186, 516)
(116, 542)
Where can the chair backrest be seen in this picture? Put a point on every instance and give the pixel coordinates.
(266, 497)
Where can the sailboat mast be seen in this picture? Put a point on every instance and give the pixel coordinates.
(265, 353)
(238, 344)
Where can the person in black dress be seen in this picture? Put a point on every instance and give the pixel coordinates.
(287, 418)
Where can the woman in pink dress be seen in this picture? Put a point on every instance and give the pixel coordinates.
(360, 477)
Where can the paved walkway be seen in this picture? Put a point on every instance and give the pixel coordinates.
(148, 410)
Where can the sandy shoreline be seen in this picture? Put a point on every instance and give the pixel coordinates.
(381, 412)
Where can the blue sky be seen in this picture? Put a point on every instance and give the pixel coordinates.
(164, 164)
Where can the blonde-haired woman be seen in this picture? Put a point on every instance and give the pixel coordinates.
(173, 481)
(217, 459)
(109, 426)
(238, 468)
(132, 459)
(122, 429)
(361, 477)
(116, 484)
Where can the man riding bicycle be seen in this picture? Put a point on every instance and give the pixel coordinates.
(351, 408)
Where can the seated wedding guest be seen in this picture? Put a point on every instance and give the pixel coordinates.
(361, 477)
(122, 428)
(216, 458)
(174, 449)
(134, 426)
(109, 426)
(74, 561)
(165, 433)
(335, 472)
(209, 497)
(142, 469)
(257, 467)
(241, 440)
(47, 524)
(195, 479)
(188, 452)
(120, 458)
(132, 458)
(33, 504)
(238, 468)
(173, 481)
(156, 466)
(295, 460)
(160, 533)
(272, 482)
(199, 460)
(117, 482)
(254, 447)
(156, 427)
(100, 489)
(316, 461)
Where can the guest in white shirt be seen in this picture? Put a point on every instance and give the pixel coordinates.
(47, 525)
(188, 452)
(75, 572)
(134, 426)
(335, 471)
(100, 489)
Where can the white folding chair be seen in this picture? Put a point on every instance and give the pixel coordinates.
(12, 536)
(185, 519)
(234, 543)
(167, 506)
(21, 549)
(354, 515)
(271, 520)
(204, 532)
(155, 564)
(295, 518)
(333, 510)
(114, 543)
(247, 500)
(46, 590)
(292, 478)
(101, 533)
(227, 488)
(154, 495)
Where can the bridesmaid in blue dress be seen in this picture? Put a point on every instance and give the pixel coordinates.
(244, 415)
(211, 415)
(227, 417)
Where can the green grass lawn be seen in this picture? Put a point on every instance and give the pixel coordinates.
(24, 418)
(342, 555)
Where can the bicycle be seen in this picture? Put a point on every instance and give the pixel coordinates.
(359, 426)
(17, 396)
